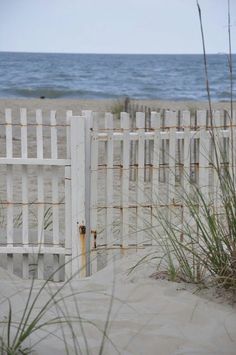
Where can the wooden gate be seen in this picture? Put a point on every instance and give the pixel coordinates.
(73, 195)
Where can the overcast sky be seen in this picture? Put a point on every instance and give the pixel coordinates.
(114, 26)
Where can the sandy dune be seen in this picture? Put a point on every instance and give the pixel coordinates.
(147, 317)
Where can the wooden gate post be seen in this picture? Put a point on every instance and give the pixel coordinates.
(88, 126)
(78, 181)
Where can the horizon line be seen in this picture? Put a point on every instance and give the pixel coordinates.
(116, 53)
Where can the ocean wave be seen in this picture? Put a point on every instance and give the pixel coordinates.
(27, 75)
(224, 95)
(54, 93)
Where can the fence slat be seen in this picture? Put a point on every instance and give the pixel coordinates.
(109, 179)
(88, 126)
(140, 124)
(204, 154)
(155, 200)
(9, 182)
(147, 153)
(171, 121)
(217, 151)
(40, 190)
(68, 269)
(186, 167)
(68, 217)
(25, 199)
(78, 191)
(93, 196)
(55, 192)
(132, 146)
(124, 121)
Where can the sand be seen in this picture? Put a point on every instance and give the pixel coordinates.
(76, 105)
(148, 316)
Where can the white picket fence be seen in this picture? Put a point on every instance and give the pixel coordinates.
(72, 194)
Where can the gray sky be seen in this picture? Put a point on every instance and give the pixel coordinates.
(114, 26)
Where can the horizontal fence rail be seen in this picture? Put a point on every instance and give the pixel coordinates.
(78, 190)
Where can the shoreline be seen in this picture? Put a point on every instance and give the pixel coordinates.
(102, 105)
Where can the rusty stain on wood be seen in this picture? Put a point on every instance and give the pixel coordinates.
(82, 233)
(94, 232)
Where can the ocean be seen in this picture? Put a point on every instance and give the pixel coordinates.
(102, 76)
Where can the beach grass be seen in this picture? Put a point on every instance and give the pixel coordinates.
(45, 310)
(201, 249)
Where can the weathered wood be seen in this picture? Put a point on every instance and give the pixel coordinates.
(40, 197)
(204, 150)
(77, 190)
(140, 122)
(9, 183)
(81, 166)
(88, 127)
(93, 195)
(25, 248)
(31, 249)
(171, 122)
(55, 192)
(25, 199)
(68, 220)
(124, 122)
(216, 156)
(186, 169)
(68, 217)
(109, 179)
(155, 198)
(34, 161)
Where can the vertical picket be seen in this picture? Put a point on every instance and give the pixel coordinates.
(204, 155)
(68, 269)
(68, 133)
(186, 166)
(93, 196)
(88, 126)
(78, 192)
(124, 121)
(40, 197)
(164, 144)
(140, 121)
(55, 192)
(217, 154)
(25, 200)
(9, 182)
(187, 137)
(147, 145)
(109, 179)
(155, 202)
(132, 147)
(171, 122)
